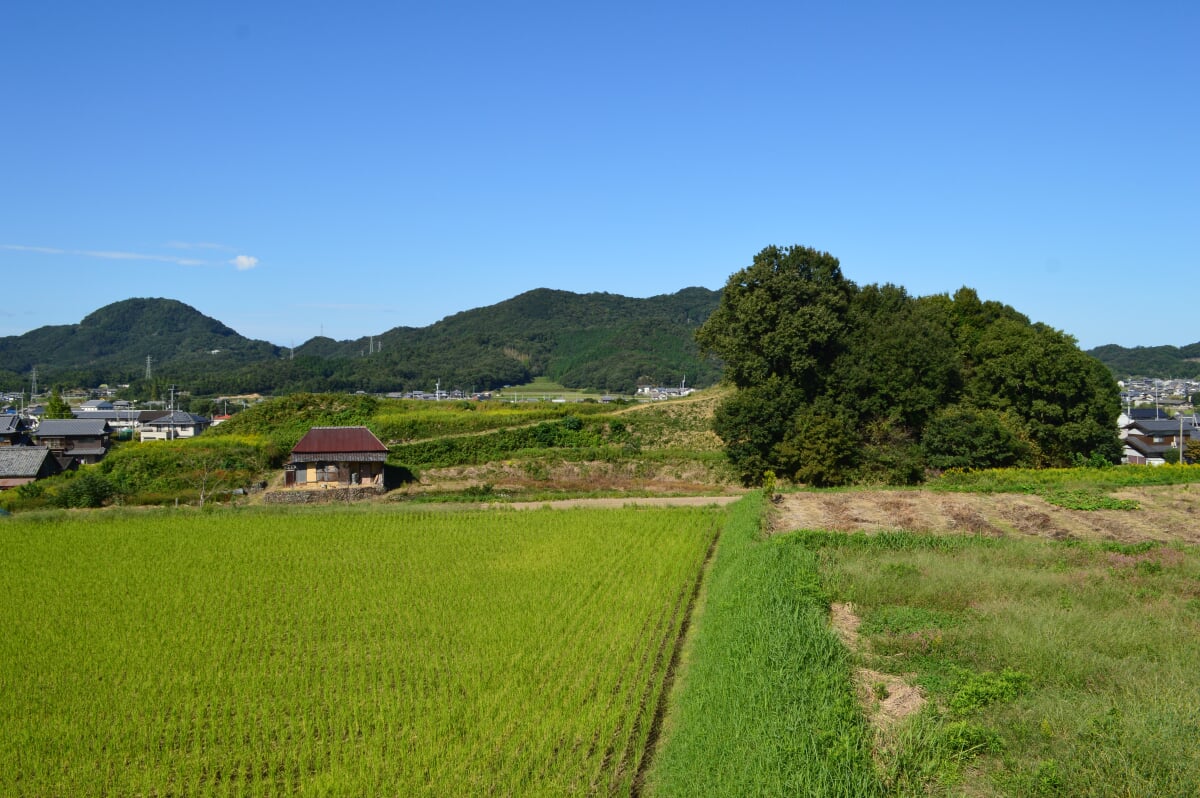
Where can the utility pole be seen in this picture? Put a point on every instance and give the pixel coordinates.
(1181, 446)
(33, 386)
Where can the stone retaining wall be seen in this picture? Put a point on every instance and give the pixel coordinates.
(308, 496)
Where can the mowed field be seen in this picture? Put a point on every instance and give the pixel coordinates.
(1165, 513)
(345, 651)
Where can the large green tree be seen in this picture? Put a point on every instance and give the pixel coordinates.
(837, 383)
(1067, 400)
(783, 316)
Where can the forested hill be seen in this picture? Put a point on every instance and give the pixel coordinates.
(1150, 361)
(602, 341)
(119, 337)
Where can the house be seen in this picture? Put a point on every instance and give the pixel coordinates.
(173, 425)
(14, 430)
(1146, 442)
(75, 441)
(93, 405)
(121, 419)
(328, 456)
(1131, 415)
(20, 465)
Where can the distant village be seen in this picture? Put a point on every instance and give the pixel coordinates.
(1156, 424)
(1157, 421)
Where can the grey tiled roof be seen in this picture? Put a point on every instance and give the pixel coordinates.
(9, 423)
(55, 427)
(121, 416)
(178, 418)
(21, 461)
(1163, 427)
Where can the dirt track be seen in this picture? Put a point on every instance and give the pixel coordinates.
(645, 501)
(1167, 513)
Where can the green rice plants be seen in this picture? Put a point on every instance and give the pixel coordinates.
(342, 651)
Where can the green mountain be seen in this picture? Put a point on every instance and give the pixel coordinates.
(113, 343)
(602, 341)
(1150, 361)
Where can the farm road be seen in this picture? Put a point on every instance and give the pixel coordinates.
(618, 502)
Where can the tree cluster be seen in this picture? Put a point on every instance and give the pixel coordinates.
(838, 383)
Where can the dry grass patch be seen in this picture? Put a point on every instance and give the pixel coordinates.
(1166, 513)
(885, 698)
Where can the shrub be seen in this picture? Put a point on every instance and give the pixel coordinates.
(89, 489)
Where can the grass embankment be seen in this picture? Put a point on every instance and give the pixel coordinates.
(1042, 480)
(1052, 668)
(765, 705)
(353, 651)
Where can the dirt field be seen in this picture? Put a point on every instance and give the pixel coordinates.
(1166, 513)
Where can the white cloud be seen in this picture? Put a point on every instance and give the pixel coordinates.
(244, 262)
(138, 256)
(105, 254)
(199, 245)
(43, 250)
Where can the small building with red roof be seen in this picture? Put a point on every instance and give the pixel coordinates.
(336, 457)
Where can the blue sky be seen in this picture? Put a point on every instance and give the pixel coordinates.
(302, 168)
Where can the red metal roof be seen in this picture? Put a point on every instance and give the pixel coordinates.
(338, 439)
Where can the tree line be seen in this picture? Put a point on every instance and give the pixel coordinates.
(839, 383)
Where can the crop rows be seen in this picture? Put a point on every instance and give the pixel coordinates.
(339, 652)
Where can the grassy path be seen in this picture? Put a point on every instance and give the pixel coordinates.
(765, 705)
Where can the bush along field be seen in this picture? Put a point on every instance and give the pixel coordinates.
(339, 651)
(1050, 480)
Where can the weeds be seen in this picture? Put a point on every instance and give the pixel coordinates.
(1053, 668)
(1080, 499)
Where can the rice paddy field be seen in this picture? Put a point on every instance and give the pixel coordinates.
(339, 651)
